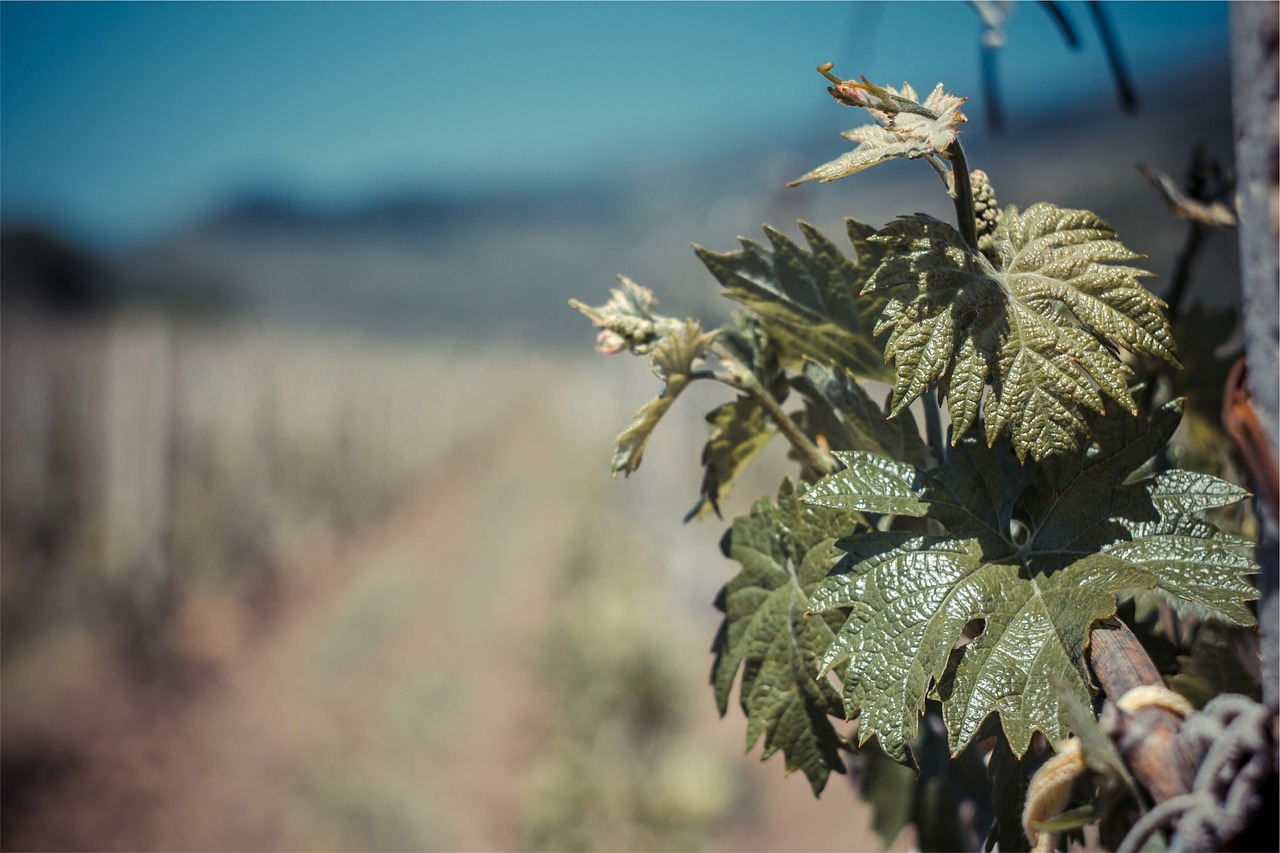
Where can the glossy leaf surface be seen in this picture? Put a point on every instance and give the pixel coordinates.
(1037, 552)
(1040, 330)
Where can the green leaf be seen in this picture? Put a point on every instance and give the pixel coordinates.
(739, 432)
(1040, 329)
(837, 408)
(1213, 667)
(889, 788)
(870, 483)
(1099, 752)
(673, 358)
(1010, 776)
(1037, 553)
(807, 300)
(784, 550)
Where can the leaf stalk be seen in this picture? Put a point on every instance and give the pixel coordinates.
(962, 195)
(740, 377)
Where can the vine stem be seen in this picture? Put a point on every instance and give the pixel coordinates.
(813, 455)
(738, 376)
(962, 195)
(1148, 741)
(967, 222)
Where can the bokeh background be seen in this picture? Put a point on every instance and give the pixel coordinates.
(308, 539)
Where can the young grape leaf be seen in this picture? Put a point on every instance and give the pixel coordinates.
(1041, 329)
(837, 412)
(628, 320)
(1038, 552)
(673, 358)
(785, 549)
(807, 300)
(739, 432)
(907, 128)
(739, 429)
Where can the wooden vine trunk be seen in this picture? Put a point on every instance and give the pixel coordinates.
(1148, 739)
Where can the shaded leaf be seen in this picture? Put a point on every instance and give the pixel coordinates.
(1071, 819)
(1010, 777)
(1037, 553)
(1118, 798)
(1040, 330)
(889, 788)
(739, 432)
(837, 408)
(1099, 752)
(1213, 667)
(807, 300)
(945, 800)
(784, 550)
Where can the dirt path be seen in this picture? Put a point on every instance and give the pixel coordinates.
(381, 694)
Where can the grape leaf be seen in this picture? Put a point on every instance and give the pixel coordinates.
(784, 549)
(628, 320)
(673, 360)
(1213, 666)
(1041, 329)
(1038, 552)
(740, 431)
(839, 409)
(907, 128)
(1009, 777)
(807, 300)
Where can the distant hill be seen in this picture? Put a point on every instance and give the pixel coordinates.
(502, 264)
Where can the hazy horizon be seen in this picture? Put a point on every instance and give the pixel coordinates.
(123, 121)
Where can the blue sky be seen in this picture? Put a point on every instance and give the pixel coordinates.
(120, 121)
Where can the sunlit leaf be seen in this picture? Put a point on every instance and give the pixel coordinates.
(628, 320)
(1037, 552)
(1031, 344)
(906, 128)
(870, 483)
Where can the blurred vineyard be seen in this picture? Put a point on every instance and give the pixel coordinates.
(282, 589)
(140, 456)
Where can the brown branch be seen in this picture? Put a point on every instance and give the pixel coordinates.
(1147, 739)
